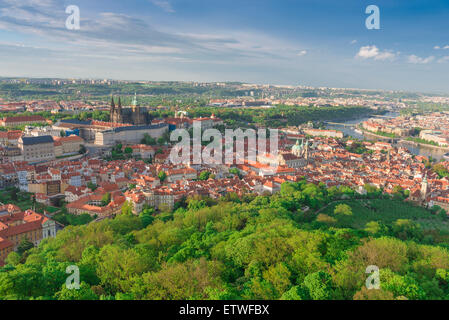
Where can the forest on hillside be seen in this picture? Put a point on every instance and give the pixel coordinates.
(282, 115)
(307, 242)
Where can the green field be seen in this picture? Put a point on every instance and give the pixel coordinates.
(386, 212)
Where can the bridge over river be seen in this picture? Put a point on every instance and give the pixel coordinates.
(349, 129)
(381, 116)
(348, 125)
(353, 125)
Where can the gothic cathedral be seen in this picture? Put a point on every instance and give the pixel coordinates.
(133, 115)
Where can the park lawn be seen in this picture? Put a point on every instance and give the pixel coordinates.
(386, 212)
(23, 201)
(51, 209)
(24, 205)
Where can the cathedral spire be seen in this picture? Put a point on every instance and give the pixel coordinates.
(134, 103)
(119, 103)
(112, 109)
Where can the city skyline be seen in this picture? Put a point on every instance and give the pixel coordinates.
(319, 43)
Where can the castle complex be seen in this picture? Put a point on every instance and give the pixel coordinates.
(135, 114)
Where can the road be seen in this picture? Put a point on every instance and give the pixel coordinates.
(93, 149)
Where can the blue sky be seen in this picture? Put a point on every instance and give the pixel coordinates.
(295, 42)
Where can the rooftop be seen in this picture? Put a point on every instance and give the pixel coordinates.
(144, 127)
(27, 141)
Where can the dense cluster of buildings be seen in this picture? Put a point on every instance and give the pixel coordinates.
(34, 160)
(320, 159)
(432, 127)
(385, 126)
(439, 137)
(16, 146)
(323, 133)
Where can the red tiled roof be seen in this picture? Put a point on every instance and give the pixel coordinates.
(5, 243)
(24, 119)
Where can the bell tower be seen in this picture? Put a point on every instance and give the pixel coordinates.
(137, 117)
(112, 110)
(424, 188)
(306, 151)
(119, 113)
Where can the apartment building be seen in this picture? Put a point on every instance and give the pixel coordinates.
(181, 174)
(70, 144)
(16, 226)
(21, 120)
(324, 133)
(434, 136)
(37, 149)
(10, 138)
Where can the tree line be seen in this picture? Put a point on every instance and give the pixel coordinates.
(250, 247)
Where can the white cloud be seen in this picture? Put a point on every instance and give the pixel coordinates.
(302, 53)
(418, 60)
(353, 41)
(368, 52)
(373, 52)
(164, 5)
(135, 38)
(446, 47)
(386, 55)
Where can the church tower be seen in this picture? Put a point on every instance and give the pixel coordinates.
(134, 106)
(112, 110)
(424, 188)
(119, 113)
(306, 151)
(137, 117)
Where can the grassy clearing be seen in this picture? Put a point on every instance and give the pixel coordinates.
(386, 212)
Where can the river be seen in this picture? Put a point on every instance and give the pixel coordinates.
(418, 150)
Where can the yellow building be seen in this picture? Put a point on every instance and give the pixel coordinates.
(37, 149)
(49, 188)
(58, 148)
(16, 226)
(70, 144)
